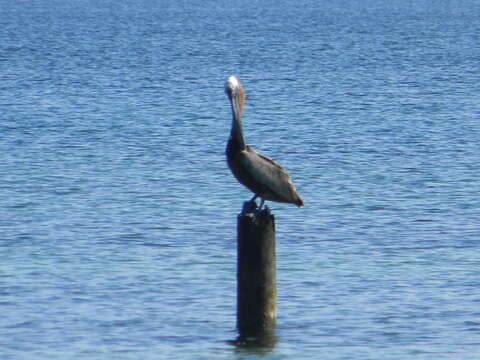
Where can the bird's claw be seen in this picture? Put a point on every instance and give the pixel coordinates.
(267, 209)
(249, 207)
(252, 207)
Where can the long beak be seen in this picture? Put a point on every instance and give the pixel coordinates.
(236, 107)
(237, 112)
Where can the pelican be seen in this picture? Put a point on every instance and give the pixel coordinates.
(263, 176)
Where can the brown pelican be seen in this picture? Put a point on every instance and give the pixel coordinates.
(263, 176)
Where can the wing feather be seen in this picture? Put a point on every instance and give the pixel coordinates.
(271, 175)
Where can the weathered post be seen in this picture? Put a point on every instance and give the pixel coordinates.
(256, 271)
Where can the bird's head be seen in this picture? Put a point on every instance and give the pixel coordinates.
(234, 90)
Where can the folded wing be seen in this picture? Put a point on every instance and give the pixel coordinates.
(273, 180)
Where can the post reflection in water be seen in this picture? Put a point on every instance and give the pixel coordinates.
(261, 341)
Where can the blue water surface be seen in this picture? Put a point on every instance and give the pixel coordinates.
(118, 212)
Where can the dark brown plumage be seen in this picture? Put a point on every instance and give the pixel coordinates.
(263, 176)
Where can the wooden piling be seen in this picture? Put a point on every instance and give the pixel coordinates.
(256, 271)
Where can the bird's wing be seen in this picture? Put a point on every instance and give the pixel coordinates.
(267, 172)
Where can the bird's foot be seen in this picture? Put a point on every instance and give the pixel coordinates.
(249, 207)
(267, 210)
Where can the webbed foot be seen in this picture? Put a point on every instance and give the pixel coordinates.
(249, 207)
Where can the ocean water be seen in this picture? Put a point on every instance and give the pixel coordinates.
(118, 211)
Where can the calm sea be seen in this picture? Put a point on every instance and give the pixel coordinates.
(118, 211)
